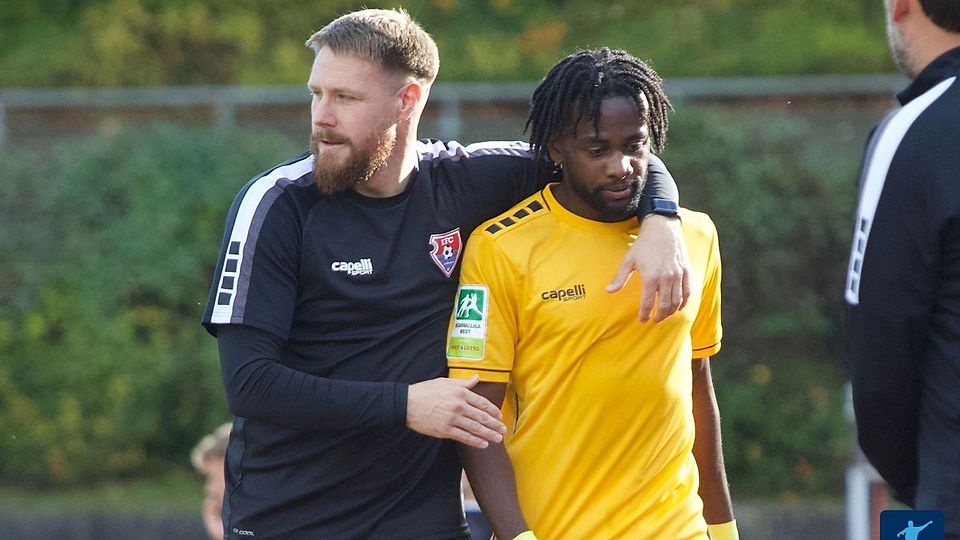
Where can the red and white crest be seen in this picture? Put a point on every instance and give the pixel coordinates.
(446, 250)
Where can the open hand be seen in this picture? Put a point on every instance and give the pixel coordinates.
(659, 255)
(448, 409)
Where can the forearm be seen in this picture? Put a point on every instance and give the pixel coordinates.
(259, 386)
(659, 185)
(491, 476)
(708, 447)
(494, 485)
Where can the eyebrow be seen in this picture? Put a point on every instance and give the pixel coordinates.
(337, 90)
(593, 138)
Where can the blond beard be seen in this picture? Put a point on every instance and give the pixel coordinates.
(361, 165)
(900, 50)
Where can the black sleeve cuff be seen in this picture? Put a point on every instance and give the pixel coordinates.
(399, 413)
(659, 185)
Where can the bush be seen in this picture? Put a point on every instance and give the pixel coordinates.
(163, 42)
(105, 371)
(784, 218)
(108, 250)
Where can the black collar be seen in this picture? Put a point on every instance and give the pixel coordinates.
(943, 67)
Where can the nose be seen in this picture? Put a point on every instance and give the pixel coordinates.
(619, 166)
(321, 113)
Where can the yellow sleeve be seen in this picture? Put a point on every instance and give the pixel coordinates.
(707, 330)
(482, 334)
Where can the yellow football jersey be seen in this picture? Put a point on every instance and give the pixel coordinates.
(598, 405)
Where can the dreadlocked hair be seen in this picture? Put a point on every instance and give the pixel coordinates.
(578, 84)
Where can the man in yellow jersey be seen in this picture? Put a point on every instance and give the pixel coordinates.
(613, 424)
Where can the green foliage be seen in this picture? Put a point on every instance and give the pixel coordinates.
(783, 431)
(161, 42)
(105, 371)
(784, 217)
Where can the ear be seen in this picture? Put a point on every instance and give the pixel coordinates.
(410, 96)
(899, 9)
(555, 150)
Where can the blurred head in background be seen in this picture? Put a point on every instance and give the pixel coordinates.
(207, 458)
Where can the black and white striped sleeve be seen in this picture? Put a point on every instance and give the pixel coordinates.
(255, 283)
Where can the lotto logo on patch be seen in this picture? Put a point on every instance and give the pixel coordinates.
(469, 333)
(911, 525)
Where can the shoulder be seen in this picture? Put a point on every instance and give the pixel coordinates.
(284, 190)
(925, 122)
(937, 116)
(293, 176)
(521, 217)
(434, 150)
(697, 227)
(501, 245)
(918, 146)
(703, 246)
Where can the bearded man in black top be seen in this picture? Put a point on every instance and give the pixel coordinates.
(334, 287)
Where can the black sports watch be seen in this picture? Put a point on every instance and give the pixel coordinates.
(664, 207)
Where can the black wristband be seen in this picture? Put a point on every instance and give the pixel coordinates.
(662, 207)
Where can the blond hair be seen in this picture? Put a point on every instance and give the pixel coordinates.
(388, 37)
(212, 446)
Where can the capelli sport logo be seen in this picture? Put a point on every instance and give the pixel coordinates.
(363, 267)
(577, 292)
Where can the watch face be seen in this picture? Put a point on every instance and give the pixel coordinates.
(665, 206)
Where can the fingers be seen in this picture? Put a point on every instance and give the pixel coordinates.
(622, 276)
(472, 425)
(485, 415)
(647, 298)
(447, 408)
(668, 302)
(668, 293)
(468, 383)
(477, 416)
(468, 439)
(483, 405)
(490, 432)
(685, 288)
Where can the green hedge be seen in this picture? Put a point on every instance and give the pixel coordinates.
(108, 246)
(781, 192)
(105, 371)
(164, 42)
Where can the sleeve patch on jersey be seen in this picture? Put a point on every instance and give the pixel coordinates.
(469, 333)
(493, 228)
(535, 206)
(521, 213)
